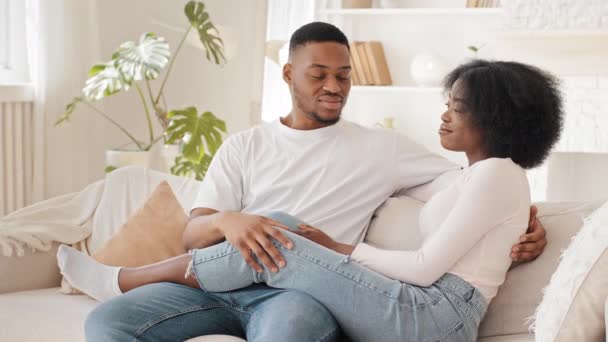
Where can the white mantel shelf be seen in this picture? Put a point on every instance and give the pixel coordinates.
(554, 34)
(397, 89)
(414, 11)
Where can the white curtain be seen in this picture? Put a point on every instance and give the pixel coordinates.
(284, 17)
(63, 42)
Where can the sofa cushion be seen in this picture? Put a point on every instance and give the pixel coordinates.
(395, 224)
(42, 271)
(126, 190)
(152, 234)
(509, 338)
(572, 308)
(43, 315)
(521, 292)
(18, 310)
(48, 315)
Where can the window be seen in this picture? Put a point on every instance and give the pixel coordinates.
(284, 17)
(13, 53)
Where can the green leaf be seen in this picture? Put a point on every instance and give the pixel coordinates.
(110, 168)
(200, 136)
(187, 168)
(207, 32)
(144, 59)
(104, 80)
(96, 69)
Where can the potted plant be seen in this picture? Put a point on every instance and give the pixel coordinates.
(135, 65)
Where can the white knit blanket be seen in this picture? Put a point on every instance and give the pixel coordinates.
(94, 213)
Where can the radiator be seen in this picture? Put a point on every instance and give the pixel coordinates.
(16, 155)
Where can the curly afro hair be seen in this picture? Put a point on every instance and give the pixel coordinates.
(518, 108)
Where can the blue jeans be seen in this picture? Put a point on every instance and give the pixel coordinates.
(367, 305)
(172, 312)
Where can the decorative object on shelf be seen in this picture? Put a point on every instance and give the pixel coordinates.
(356, 3)
(428, 70)
(369, 64)
(134, 65)
(387, 122)
(475, 49)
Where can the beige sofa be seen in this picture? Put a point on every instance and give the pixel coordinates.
(33, 309)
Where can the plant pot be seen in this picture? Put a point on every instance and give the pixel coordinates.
(168, 153)
(117, 159)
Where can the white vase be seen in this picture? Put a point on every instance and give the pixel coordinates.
(168, 153)
(428, 70)
(118, 159)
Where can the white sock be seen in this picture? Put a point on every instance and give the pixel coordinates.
(86, 274)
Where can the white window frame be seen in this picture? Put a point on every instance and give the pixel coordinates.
(13, 52)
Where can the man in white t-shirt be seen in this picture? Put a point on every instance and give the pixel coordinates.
(326, 171)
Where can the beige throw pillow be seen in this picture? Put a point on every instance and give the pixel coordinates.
(521, 292)
(572, 308)
(152, 234)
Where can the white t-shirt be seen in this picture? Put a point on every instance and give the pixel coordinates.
(467, 229)
(333, 178)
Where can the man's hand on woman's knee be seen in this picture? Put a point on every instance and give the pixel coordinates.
(251, 235)
(533, 242)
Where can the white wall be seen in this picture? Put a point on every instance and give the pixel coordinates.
(572, 42)
(75, 153)
(70, 45)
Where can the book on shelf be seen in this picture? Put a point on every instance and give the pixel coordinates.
(369, 65)
(353, 74)
(377, 63)
(360, 46)
(483, 3)
(357, 67)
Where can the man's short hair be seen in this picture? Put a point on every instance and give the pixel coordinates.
(317, 32)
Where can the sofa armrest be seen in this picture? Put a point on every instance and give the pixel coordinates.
(34, 270)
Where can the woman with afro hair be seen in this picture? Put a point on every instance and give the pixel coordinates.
(505, 117)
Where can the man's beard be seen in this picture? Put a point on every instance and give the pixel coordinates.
(311, 114)
(317, 118)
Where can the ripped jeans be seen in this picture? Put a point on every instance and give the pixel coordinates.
(367, 305)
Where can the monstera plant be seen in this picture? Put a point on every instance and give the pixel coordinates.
(198, 142)
(135, 65)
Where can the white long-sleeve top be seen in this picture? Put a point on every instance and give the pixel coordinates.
(467, 230)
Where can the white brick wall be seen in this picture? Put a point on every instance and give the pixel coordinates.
(585, 96)
(585, 124)
(586, 107)
(556, 14)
